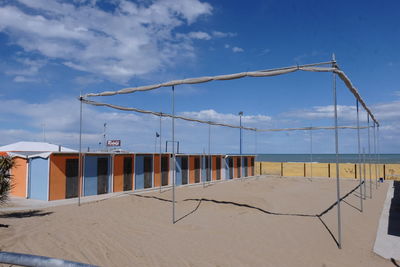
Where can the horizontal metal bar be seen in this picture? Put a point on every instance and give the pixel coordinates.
(34, 260)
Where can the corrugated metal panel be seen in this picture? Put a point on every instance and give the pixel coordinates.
(38, 178)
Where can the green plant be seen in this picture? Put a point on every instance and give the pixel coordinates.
(6, 163)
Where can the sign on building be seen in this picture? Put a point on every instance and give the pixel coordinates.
(113, 142)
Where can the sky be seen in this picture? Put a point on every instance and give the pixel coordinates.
(51, 51)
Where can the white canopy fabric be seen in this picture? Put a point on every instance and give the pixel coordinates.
(94, 103)
(34, 146)
(205, 79)
(261, 73)
(43, 155)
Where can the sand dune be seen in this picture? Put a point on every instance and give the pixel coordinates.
(258, 222)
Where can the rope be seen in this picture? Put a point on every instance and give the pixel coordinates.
(161, 114)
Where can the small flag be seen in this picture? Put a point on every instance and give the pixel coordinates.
(157, 135)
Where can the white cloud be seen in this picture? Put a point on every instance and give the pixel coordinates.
(199, 35)
(212, 115)
(132, 39)
(386, 113)
(236, 49)
(23, 79)
(219, 34)
(28, 70)
(345, 113)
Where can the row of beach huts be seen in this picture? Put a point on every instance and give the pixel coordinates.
(48, 172)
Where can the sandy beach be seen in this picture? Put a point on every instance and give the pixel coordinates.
(270, 221)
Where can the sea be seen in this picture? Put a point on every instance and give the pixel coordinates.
(327, 158)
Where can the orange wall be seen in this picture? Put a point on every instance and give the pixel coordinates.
(157, 171)
(191, 169)
(19, 178)
(214, 167)
(250, 169)
(235, 168)
(118, 182)
(57, 178)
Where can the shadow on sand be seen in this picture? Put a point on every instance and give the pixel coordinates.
(22, 214)
(222, 202)
(25, 214)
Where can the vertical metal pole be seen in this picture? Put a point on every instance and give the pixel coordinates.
(240, 119)
(255, 141)
(173, 154)
(369, 160)
(379, 151)
(203, 162)
(365, 173)
(337, 158)
(155, 143)
(80, 152)
(160, 153)
(359, 155)
(311, 151)
(241, 158)
(375, 156)
(209, 153)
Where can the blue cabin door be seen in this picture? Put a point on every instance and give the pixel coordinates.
(38, 178)
(178, 175)
(203, 169)
(139, 172)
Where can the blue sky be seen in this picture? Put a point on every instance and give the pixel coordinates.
(53, 50)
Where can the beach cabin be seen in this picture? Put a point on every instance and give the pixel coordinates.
(97, 173)
(236, 166)
(229, 169)
(123, 172)
(206, 168)
(216, 167)
(251, 160)
(161, 169)
(63, 175)
(194, 169)
(182, 169)
(144, 175)
(37, 171)
(20, 177)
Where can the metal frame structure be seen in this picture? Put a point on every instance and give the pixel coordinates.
(315, 67)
